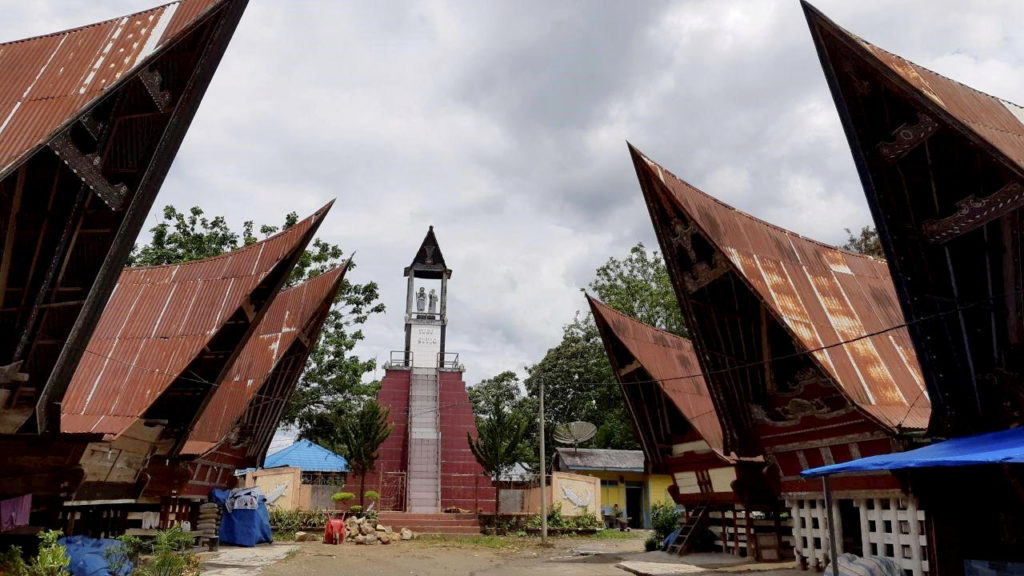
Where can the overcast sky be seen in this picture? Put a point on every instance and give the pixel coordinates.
(504, 124)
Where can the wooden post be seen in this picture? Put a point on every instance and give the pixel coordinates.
(543, 475)
(833, 546)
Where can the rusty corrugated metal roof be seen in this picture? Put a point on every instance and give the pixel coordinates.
(671, 360)
(998, 122)
(49, 80)
(290, 313)
(823, 296)
(156, 321)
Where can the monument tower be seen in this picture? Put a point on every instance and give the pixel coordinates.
(426, 466)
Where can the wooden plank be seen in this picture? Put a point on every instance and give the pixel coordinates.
(11, 232)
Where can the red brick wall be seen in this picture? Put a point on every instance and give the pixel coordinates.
(463, 482)
(393, 456)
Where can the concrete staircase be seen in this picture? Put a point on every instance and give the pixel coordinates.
(424, 471)
(431, 523)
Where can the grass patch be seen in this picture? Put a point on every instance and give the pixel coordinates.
(616, 535)
(480, 541)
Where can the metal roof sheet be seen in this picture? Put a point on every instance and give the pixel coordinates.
(823, 296)
(671, 360)
(49, 80)
(156, 321)
(601, 459)
(290, 313)
(308, 457)
(995, 121)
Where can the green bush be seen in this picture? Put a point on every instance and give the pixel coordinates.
(292, 520)
(53, 558)
(371, 495)
(587, 520)
(357, 509)
(652, 543)
(172, 555)
(342, 496)
(12, 564)
(664, 519)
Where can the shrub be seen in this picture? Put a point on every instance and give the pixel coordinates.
(587, 521)
(53, 558)
(371, 495)
(342, 496)
(357, 509)
(172, 555)
(652, 543)
(12, 564)
(292, 520)
(664, 519)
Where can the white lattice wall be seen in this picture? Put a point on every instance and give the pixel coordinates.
(889, 527)
(895, 528)
(810, 531)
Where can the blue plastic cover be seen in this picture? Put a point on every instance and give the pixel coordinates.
(243, 527)
(1004, 447)
(88, 556)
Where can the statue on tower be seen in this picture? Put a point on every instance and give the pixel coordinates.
(421, 299)
(433, 301)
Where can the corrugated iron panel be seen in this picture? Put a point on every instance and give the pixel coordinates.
(290, 313)
(156, 322)
(672, 361)
(823, 296)
(995, 120)
(48, 80)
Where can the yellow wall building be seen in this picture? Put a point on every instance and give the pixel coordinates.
(624, 480)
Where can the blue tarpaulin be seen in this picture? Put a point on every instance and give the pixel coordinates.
(243, 527)
(1004, 447)
(89, 556)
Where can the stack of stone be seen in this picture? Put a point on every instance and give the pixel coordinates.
(363, 531)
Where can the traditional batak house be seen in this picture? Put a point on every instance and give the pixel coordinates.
(426, 466)
(168, 339)
(942, 167)
(235, 429)
(90, 121)
(681, 435)
(805, 355)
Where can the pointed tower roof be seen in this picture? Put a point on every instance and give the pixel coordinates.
(429, 262)
(670, 360)
(159, 319)
(838, 304)
(296, 314)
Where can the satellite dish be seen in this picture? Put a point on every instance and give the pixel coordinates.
(574, 433)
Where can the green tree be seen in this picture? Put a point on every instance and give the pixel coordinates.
(362, 435)
(639, 286)
(865, 242)
(499, 442)
(578, 379)
(331, 386)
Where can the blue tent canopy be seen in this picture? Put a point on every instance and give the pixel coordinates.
(1004, 447)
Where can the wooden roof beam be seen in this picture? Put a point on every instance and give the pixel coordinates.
(87, 167)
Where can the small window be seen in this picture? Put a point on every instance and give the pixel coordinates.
(872, 527)
(887, 526)
(907, 552)
(890, 551)
(904, 527)
(886, 504)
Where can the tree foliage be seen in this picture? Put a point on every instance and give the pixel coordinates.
(501, 428)
(865, 242)
(639, 286)
(331, 387)
(362, 434)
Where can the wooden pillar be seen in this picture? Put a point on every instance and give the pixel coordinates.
(865, 534)
(915, 536)
(833, 545)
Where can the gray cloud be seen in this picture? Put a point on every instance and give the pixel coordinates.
(504, 126)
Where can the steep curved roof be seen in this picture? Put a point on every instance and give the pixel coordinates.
(672, 361)
(823, 296)
(996, 122)
(157, 320)
(47, 81)
(290, 314)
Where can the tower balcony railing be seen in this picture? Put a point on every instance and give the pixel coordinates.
(399, 359)
(448, 361)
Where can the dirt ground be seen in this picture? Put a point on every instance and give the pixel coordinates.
(494, 556)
